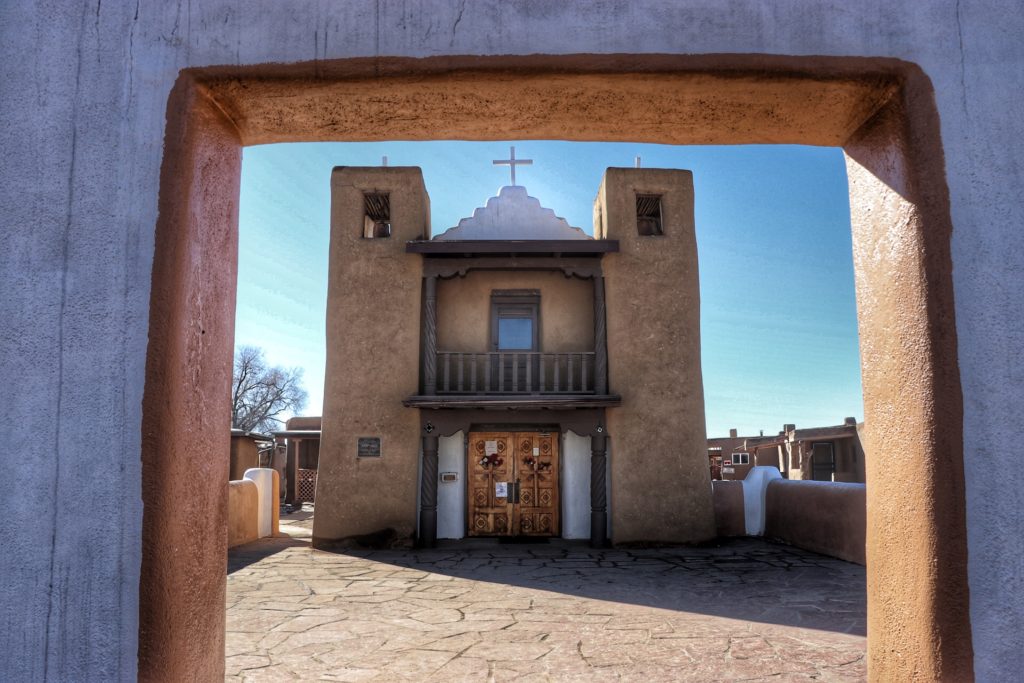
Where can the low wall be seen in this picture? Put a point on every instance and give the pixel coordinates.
(253, 506)
(728, 502)
(243, 512)
(826, 517)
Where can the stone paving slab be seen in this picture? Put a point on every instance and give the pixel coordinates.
(742, 610)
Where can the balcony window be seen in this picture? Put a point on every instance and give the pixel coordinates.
(514, 318)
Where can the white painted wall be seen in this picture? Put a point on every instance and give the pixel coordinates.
(755, 490)
(263, 477)
(575, 486)
(451, 497)
(83, 102)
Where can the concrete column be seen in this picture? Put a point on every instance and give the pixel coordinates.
(598, 490)
(430, 335)
(428, 493)
(600, 339)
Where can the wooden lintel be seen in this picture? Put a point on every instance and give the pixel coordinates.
(579, 266)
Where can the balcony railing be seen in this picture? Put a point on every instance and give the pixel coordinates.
(515, 372)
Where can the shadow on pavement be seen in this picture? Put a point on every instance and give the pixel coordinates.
(745, 579)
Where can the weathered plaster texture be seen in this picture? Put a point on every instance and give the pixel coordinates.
(243, 512)
(373, 343)
(464, 310)
(661, 487)
(83, 105)
(823, 516)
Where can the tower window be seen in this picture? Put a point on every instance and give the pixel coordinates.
(377, 219)
(648, 215)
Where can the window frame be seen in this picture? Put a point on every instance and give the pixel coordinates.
(515, 303)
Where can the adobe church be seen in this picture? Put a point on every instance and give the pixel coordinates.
(513, 376)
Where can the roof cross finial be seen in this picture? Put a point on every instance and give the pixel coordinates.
(512, 162)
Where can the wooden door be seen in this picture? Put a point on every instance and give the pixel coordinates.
(490, 464)
(537, 505)
(513, 484)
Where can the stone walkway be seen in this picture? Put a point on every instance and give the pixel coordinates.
(744, 610)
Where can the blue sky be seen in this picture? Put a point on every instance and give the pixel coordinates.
(778, 316)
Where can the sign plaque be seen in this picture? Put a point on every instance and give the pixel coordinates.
(368, 447)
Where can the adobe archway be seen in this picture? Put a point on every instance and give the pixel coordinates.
(882, 113)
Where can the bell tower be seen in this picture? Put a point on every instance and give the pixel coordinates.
(369, 447)
(660, 484)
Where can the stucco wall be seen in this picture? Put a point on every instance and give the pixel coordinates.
(243, 512)
(728, 498)
(83, 105)
(575, 494)
(373, 345)
(660, 480)
(244, 455)
(451, 496)
(826, 517)
(464, 310)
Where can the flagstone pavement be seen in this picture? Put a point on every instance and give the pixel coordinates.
(744, 610)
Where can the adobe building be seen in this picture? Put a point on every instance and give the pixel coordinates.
(833, 453)
(732, 457)
(493, 380)
(300, 443)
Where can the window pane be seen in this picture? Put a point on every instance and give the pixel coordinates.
(515, 333)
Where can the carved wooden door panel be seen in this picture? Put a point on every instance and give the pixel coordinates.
(513, 484)
(490, 464)
(536, 511)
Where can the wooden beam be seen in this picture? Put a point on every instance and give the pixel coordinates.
(505, 247)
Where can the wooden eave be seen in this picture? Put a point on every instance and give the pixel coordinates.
(511, 247)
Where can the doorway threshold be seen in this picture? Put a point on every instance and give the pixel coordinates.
(493, 543)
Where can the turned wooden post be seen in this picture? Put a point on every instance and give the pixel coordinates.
(598, 490)
(428, 493)
(600, 339)
(430, 335)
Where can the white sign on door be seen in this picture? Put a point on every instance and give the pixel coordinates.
(501, 489)
(490, 447)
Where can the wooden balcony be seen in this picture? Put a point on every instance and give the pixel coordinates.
(515, 372)
(515, 379)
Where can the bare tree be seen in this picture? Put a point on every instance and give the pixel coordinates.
(260, 393)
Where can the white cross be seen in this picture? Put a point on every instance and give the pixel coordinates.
(512, 162)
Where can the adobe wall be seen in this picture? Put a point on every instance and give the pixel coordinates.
(84, 104)
(373, 353)
(464, 310)
(728, 505)
(661, 485)
(243, 512)
(244, 455)
(826, 517)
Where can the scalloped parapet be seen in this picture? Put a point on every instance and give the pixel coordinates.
(513, 215)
